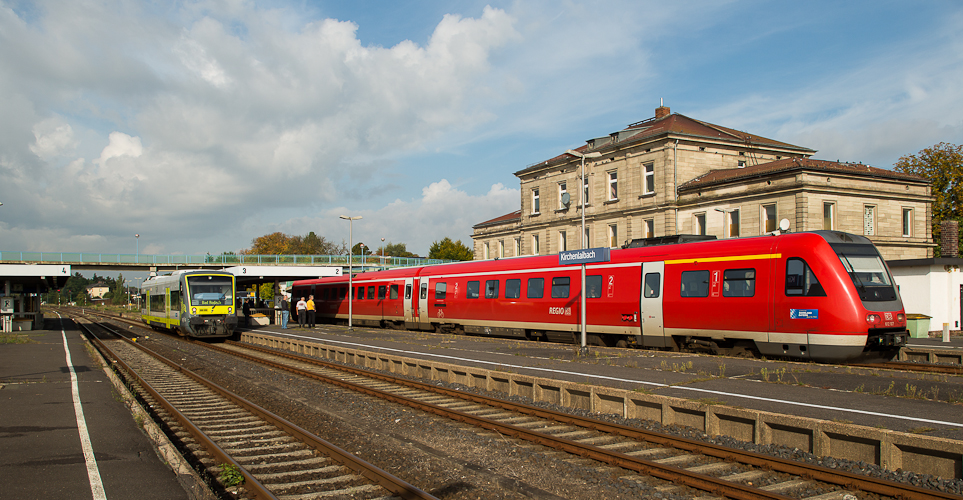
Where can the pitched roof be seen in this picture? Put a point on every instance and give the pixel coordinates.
(674, 124)
(514, 216)
(722, 176)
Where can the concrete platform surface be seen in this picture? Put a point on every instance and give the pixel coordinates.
(49, 449)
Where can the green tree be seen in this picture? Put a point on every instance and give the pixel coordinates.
(358, 249)
(449, 250)
(118, 293)
(395, 250)
(942, 165)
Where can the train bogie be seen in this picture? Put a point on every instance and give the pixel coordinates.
(823, 296)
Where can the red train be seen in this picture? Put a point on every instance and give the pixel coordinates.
(822, 295)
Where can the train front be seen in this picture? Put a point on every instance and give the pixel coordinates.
(208, 305)
(882, 308)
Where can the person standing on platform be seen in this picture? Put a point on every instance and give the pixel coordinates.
(285, 311)
(246, 309)
(310, 306)
(302, 312)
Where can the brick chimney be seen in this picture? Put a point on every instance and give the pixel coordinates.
(949, 239)
(662, 112)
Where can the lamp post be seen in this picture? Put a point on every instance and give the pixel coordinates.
(583, 156)
(382, 253)
(350, 271)
(137, 239)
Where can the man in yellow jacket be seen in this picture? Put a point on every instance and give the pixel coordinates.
(311, 311)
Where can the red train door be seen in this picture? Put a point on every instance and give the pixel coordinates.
(423, 318)
(650, 306)
(410, 310)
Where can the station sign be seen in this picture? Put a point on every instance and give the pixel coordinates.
(584, 256)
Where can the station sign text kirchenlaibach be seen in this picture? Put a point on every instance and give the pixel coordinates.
(584, 256)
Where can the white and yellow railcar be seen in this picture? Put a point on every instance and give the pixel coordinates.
(196, 303)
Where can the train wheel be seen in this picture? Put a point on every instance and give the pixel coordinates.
(622, 344)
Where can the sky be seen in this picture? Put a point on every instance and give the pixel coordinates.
(203, 125)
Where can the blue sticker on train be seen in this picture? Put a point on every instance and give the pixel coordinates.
(804, 313)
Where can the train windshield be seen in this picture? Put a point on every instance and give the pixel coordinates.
(210, 290)
(868, 272)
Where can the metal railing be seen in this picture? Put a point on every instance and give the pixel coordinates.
(208, 260)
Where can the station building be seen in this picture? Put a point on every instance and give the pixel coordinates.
(672, 174)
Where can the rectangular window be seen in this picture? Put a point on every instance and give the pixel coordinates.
(648, 228)
(907, 222)
(695, 284)
(393, 292)
(485, 254)
(649, 186)
(769, 217)
(424, 290)
(471, 291)
(535, 201)
(536, 288)
(360, 293)
(175, 300)
(562, 192)
(518, 247)
(613, 236)
(407, 291)
(613, 185)
(562, 241)
(513, 289)
(560, 287)
(586, 241)
(593, 287)
(829, 216)
(501, 249)
(739, 283)
(652, 285)
(869, 220)
(585, 191)
(440, 289)
(382, 292)
(535, 244)
(733, 223)
(491, 289)
(324, 294)
(699, 221)
(371, 291)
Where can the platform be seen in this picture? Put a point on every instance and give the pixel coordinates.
(50, 450)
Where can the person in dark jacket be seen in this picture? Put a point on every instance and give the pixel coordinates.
(246, 309)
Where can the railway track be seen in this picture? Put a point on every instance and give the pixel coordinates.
(716, 470)
(948, 369)
(233, 437)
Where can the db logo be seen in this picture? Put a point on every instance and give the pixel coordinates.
(888, 316)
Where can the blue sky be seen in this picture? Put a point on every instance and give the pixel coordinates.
(202, 125)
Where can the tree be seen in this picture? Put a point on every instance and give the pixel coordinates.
(448, 250)
(119, 293)
(395, 250)
(282, 244)
(358, 249)
(942, 165)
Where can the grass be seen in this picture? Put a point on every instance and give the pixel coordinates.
(15, 338)
(230, 475)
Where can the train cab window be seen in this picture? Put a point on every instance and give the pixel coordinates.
(393, 291)
(560, 287)
(471, 291)
(695, 284)
(801, 281)
(536, 288)
(593, 286)
(424, 290)
(739, 283)
(653, 283)
(513, 289)
(440, 289)
(360, 293)
(407, 291)
(491, 289)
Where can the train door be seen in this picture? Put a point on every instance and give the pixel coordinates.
(410, 309)
(650, 308)
(423, 319)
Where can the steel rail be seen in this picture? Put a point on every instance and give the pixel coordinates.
(815, 472)
(913, 367)
(373, 473)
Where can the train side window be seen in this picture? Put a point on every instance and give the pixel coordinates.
(175, 300)
(393, 292)
(344, 293)
(360, 293)
(739, 283)
(324, 294)
(536, 288)
(491, 289)
(382, 292)
(593, 286)
(513, 289)
(471, 291)
(695, 284)
(424, 290)
(560, 287)
(801, 281)
(440, 289)
(371, 291)
(652, 285)
(407, 291)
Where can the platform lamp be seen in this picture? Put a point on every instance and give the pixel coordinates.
(137, 258)
(595, 154)
(350, 271)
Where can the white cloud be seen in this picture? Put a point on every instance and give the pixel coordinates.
(54, 137)
(120, 144)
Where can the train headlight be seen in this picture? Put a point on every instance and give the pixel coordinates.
(873, 319)
(901, 317)
(230, 310)
(193, 310)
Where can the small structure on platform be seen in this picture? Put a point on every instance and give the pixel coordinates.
(20, 289)
(934, 287)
